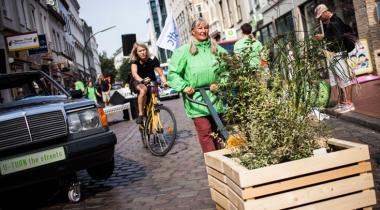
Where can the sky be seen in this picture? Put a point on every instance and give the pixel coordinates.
(129, 16)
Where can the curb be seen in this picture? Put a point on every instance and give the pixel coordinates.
(357, 118)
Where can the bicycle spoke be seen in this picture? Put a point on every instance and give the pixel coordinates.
(162, 138)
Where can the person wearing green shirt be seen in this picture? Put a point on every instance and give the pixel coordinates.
(90, 91)
(195, 65)
(249, 47)
(79, 86)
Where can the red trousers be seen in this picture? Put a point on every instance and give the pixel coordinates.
(205, 126)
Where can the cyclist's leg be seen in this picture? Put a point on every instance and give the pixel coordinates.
(141, 99)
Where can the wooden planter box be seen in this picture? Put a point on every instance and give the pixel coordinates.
(338, 180)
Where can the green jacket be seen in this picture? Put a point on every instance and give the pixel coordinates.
(243, 45)
(197, 70)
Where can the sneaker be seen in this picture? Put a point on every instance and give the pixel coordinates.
(139, 120)
(338, 106)
(346, 108)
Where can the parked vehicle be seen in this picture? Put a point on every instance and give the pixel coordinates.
(167, 92)
(228, 45)
(47, 134)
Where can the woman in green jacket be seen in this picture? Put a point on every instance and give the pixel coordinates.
(195, 65)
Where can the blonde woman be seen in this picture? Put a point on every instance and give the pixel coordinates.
(193, 65)
(143, 68)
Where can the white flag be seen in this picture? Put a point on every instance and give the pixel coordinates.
(169, 37)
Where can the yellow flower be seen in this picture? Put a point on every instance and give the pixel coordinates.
(236, 140)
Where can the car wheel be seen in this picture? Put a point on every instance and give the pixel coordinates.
(102, 171)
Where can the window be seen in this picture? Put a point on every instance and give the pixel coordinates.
(198, 11)
(59, 43)
(285, 23)
(26, 15)
(5, 8)
(21, 13)
(265, 33)
(33, 17)
(238, 11)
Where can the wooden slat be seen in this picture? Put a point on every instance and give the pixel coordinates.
(312, 194)
(216, 174)
(226, 191)
(342, 143)
(268, 189)
(252, 192)
(353, 201)
(248, 178)
(219, 207)
(222, 201)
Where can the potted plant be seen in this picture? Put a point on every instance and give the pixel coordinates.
(282, 157)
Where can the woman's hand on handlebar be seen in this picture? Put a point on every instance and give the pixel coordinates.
(214, 88)
(146, 80)
(189, 90)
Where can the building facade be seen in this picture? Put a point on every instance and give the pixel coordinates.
(158, 11)
(59, 31)
(273, 18)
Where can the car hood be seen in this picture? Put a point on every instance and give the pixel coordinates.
(42, 102)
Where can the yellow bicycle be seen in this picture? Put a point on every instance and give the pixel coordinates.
(159, 130)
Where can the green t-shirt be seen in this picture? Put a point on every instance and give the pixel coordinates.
(252, 47)
(79, 86)
(90, 93)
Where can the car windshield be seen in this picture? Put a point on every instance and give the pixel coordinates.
(22, 86)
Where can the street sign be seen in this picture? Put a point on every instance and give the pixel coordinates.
(22, 42)
(230, 34)
(43, 46)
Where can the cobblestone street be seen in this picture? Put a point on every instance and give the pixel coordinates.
(178, 180)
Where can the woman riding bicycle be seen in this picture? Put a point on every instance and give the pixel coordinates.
(143, 68)
(194, 65)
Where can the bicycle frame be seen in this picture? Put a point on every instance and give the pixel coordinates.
(150, 109)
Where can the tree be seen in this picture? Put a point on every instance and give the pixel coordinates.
(125, 71)
(107, 66)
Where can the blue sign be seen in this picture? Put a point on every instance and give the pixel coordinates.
(43, 46)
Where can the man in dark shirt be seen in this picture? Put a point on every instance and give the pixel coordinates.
(336, 33)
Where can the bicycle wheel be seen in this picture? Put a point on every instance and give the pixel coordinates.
(143, 137)
(161, 140)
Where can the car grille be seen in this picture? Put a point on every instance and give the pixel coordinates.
(32, 128)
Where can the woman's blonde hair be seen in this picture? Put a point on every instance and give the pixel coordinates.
(193, 48)
(133, 57)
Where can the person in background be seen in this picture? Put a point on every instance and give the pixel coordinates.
(193, 65)
(90, 91)
(79, 86)
(338, 45)
(249, 44)
(98, 89)
(143, 68)
(105, 88)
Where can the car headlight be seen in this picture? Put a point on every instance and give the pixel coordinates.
(84, 120)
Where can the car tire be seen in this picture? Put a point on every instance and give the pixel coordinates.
(102, 171)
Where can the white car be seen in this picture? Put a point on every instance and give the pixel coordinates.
(168, 92)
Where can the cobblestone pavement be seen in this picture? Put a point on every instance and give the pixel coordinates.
(176, 181)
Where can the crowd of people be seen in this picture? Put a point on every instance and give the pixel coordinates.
(99, 92)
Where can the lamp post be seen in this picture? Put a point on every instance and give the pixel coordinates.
(87, 41)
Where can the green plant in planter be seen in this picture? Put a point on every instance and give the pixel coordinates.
(271, 108)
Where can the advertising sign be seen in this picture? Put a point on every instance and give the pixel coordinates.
(359, 59)
(230, 34)
(43, 46)
(22, 42)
